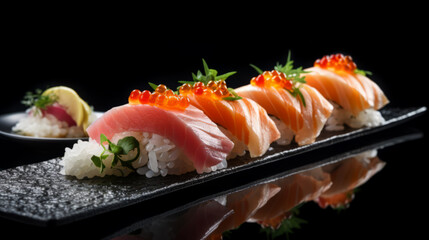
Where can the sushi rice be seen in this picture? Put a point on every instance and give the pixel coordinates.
(47, 125)
(286, 134)
(158, 156)
(366, 118)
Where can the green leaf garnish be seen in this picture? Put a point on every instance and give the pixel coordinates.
(122, 148)
(224, 76)
(288, 225)
(212, 75)
(98, 162)
(234, 94)
(38, 100)
(362, 72)
(209, 75)
(256, 68)
(153, 85)
(293, 74)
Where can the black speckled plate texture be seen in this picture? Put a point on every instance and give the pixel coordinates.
(38, 194)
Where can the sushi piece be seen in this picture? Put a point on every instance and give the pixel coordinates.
(356, 98)
(58, 112)
(242, 119)
(155, 134)
(297, 109)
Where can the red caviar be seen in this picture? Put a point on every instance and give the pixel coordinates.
(213, 89)
(161, 97)
(336, 62)
(134, 97)
(144, 97)
(272, 78)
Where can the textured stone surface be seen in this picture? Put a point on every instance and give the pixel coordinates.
(38, 193)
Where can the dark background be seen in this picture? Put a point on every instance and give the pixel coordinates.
(105, 57)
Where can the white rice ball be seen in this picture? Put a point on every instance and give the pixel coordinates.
(340, 116)
(286, 134)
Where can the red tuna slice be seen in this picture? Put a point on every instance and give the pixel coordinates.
(59, 113)
(191, 130)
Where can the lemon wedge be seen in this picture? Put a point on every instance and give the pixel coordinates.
(77, 108)
(87, 112)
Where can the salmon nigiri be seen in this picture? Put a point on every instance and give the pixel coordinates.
(243, 120)
(156, 133)
(297, 108)
(357, 98)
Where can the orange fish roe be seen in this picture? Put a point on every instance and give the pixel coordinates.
(214, 89)
(337, 62)
(272, 78)
(161, 97)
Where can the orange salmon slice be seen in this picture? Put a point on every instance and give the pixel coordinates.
(244, 118)
(305, 121)
(354, 92)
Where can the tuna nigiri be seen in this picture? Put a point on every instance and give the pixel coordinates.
(244, 121)
(356, 97)
(156, 133)
(297, 108)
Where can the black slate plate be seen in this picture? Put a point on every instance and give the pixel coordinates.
(38, 194)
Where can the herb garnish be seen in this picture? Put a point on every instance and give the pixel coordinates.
(153, 85)
(362, 72)
(211, 75)
(291, 223)
(292, 74)
(283, 231)
(38, 100)
(123, 147)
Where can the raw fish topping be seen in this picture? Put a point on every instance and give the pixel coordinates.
(161, 97)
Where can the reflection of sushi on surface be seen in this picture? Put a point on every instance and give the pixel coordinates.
(268, 204)
(244, 205)
(296, 189)
(346, 176)
(196, 223)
